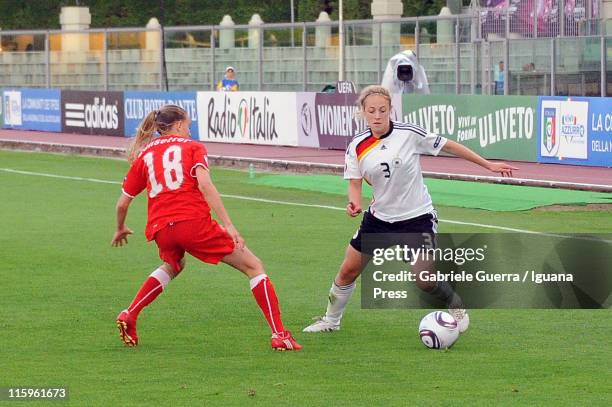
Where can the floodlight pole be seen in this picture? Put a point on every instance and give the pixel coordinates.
(341, 43)
(292, 23)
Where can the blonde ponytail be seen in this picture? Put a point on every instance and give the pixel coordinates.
(145, 133)
(158, 121)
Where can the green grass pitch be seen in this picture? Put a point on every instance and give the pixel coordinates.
(204, 342)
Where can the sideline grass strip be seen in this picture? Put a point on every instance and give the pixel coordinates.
(475, 195)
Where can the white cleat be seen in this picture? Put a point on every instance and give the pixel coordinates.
(462, 318)
(321, 324)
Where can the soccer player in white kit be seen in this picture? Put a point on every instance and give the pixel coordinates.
(386, 156)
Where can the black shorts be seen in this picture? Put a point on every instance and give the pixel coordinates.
(374, 233)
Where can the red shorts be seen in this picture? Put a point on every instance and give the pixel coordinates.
(204, 239)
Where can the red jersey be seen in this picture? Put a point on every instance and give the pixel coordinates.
(166, 167)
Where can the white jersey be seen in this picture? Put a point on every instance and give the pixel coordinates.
(391, 165)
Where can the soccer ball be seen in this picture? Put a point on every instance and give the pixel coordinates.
(438, 330)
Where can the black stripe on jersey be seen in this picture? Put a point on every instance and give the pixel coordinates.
(417, 129)
(362, 133)
(413, 127)
(405, 124)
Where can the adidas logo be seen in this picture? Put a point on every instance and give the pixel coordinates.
(384, 147)
(94, 116)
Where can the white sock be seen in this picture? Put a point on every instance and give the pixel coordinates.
(160, 275)
(338, 298)
(256, 280)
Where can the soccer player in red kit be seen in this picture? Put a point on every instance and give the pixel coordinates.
(173, 169)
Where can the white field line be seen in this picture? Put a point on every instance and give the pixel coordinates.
(249, 198)
(42, 174)
(428, 174)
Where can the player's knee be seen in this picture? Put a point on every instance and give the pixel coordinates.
(172, 270)
(349, 272)
(255, 266)
(251, 265)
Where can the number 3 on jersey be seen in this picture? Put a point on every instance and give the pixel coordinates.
(386, 170)
(173, 170)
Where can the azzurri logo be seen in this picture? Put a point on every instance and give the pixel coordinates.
(550, 129)
(570, 126)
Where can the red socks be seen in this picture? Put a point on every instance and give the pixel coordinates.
(264, 294)
(151, 288)
(261, 286)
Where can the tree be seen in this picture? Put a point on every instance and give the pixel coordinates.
(423, 8)
(309, 10)
(34, 14)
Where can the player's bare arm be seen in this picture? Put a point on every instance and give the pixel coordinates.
(354, 194)
(213, 198)
(462, 151)
(122, 232)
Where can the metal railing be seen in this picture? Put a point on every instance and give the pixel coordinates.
(533, 19)
(456, 55)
